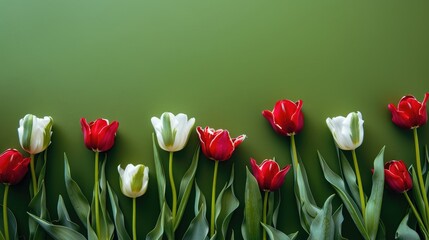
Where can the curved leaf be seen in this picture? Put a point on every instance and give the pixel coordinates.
(338, 221)
(118, 216)
(418, 195)
(13, 230)
(404, 232)
(63, 215)
(199, 227)
(373, 207)
(160, 176)
(56, 231)
(186, 187)
(251, 228)
(323, 226)
(106, 225)
(274, 234)
(350, 177)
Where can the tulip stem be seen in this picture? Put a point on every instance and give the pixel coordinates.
(264, 233)
(212, 216)
(419, 219)
(134, 220)
(97, 214)
(419, 173)
(294, 153)
(5, 220)
(359, 180)
(33, 175)
(173, 187)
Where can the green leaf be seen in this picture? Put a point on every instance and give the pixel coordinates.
(160, 176)
(164, 225)
(404, 232)
(118, 216)
(323, 226)
(293, 236)
(43, 169)
(186, 187)
(275, 200)
(77, 199)
(274, 234)
(226, 204)
(338, 221)
(56, 231)
(13, 229)
(417, 195)
(251, 228)
(339, 186)
(63, 215)
(373, 207)
(199, 227)
(106, 226)
(350, 177)
(37, 207)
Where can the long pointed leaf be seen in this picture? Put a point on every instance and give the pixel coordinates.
(275, 234)
(199, 227)
(37, 207)
(106, 224)
(58, 232)
(404, 232)
(158, 231)
(350, 177)
(13, 230)
(160, 176)
(251, 228)
(118, 216)
(323, 226)
(418, 195)
(63, 215)
(186, 187)
(373, 207)
(338, 221)
(338, 183)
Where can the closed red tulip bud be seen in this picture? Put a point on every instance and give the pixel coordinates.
(397, 176)
(286, 118)
(410, 113)
(99, 135)
(268, 174)
(217, 144)
(13, 166)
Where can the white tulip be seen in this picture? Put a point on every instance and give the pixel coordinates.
(35, 133)
(347, 131)
(133, 180)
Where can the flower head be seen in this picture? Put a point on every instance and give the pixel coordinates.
(133, 180)
(35, 133)
(347, 131)
(286, 118)
(172, 131)
(13, 166)
(410, 113)
(99, 135)
(397, 176)
(217, 144)
(268, 174)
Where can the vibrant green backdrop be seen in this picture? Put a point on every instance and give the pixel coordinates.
(222, 62)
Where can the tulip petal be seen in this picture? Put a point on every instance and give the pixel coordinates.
(279, 178)
(107, 136)
(221, 147)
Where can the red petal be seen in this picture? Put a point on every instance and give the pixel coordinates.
(221, 147)
(106, 136)
(279, 178)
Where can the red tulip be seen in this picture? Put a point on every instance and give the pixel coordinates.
(217, 144)
(286, 118)
(99, 135)
(268, 174)
(397, 176)
(13, 166)
(410, 113)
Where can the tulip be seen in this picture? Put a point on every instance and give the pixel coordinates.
(217, 144)
(13, 167)
(133, 181)
(397, 176)
(172, 131)
(347, 131)
(99, 135)
(286, 118)
(410, 113)
(35, 133)
(268, 174)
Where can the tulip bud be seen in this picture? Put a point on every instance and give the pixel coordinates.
(347, 131)
(397, 176)
(99, 135)
(286, 118)
(410, 113)
(13, 166)
(133, 180)
(35, 133)
(268, 174)
(172, 131)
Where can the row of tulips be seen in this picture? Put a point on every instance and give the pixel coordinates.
(260, 215)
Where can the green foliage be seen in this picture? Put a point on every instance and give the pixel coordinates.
(251, 228)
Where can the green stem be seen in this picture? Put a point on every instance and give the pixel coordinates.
(419, 219)
(173, 187)
(5, 220)
(420, 174)
(212, 216)
(266, 193)
(134, 220)
(295, 155)
(97, 214)
(33, 175)
(359, 180)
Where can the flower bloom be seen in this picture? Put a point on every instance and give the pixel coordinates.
(217, 144)
(410, 113)
(13, 166)
(133, 180)
(35, 133)
(172, 131)
(347, 131)
(397, 176)
(268, 174)
(99, 135)
(286, 118)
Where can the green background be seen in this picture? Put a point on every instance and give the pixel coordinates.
(222, 62)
